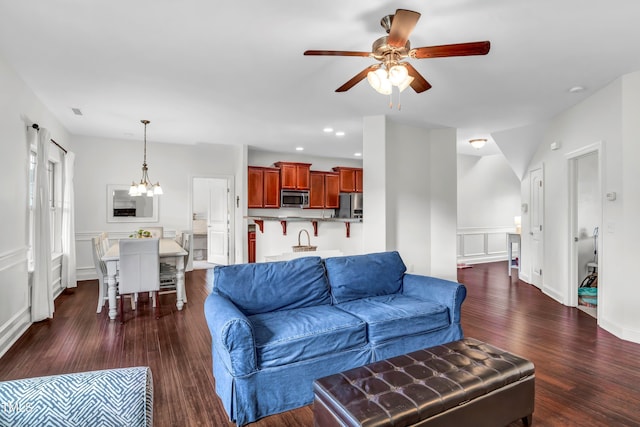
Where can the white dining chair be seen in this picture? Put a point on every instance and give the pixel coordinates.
(101, 270)
(139, 270)
(156, 232)
(104, 240)
(178, 237)
(187, 245)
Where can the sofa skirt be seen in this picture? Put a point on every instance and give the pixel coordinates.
(277, 389)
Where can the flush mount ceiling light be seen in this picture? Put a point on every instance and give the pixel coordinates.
(145, 186)
(477, 143)
(340, 133)
(327, 130)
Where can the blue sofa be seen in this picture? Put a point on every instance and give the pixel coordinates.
(278, 326)
(113, 397)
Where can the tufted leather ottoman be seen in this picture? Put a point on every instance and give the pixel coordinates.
(462, 383)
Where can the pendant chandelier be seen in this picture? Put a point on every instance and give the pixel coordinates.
(145, 187)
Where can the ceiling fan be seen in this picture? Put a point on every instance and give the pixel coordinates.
(393, 49)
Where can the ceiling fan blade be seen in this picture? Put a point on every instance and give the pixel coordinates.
(357, 78)
(419, 84)
(336, 53)
(403, 23)
(460, 49)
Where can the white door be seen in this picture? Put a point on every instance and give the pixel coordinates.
(536, 226)
(218, 222)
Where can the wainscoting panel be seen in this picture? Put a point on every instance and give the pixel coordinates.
(15, 316)
(477, 245)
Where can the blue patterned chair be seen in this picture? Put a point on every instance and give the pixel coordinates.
(113, 397)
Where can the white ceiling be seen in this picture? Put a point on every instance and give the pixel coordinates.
(234, 72)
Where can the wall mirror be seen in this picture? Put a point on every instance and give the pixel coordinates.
(121, 207)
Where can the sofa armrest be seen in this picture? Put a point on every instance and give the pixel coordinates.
(442, 291)
(231, 335)
(109, 397)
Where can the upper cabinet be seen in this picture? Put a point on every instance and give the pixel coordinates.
(294, 176)
(263, 187)
(324, 190)
(350, 179)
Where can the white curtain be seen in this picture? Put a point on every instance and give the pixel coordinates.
(41, 290)
(68, 225)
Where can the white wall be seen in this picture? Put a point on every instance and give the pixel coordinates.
(19, 108)
(609, 117)
(488, 202)
(488, 192)
(100, 162)
(412, 194)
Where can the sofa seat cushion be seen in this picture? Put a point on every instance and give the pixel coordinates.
(393, 316)
(289, 336)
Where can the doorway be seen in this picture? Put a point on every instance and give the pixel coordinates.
(212, 219)
(585, 220)
(536, 225)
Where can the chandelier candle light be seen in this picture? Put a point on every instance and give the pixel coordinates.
(145, 186)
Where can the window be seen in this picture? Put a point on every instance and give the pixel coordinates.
(54, 182)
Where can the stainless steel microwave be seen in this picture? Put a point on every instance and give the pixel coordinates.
(294, 198)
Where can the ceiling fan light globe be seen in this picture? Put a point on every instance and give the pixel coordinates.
(373, 79)
(398, 74)
(385, 87)
(405, 83)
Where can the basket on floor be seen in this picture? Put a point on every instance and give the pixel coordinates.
(304, 248)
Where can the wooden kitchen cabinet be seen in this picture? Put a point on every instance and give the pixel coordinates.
(350, 179)
(332, 190)
(324, 190)
(316, 190)
(294, 176)
(263, 187)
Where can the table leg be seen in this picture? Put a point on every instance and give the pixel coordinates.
(112, 269)
(180, 280)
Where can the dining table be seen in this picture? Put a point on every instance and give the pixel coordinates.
(169, 250)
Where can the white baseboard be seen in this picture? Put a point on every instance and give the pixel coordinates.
(13, 329)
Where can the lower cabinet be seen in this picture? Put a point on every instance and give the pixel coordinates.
(252, 246)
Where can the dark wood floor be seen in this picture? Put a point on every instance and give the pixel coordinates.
(584, 375)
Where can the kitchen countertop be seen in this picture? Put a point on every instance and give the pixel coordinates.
(259, 220)
(302, 218)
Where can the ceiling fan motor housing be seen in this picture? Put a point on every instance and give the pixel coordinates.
(381, 50)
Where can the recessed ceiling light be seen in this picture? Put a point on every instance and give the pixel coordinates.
(576, 89)
(357, 154)
(327, 130)
(340, 133)
(299, 148)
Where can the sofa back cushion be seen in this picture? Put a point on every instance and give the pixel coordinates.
(270, 286)
(361, 276)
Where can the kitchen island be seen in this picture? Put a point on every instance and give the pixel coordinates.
(275, 236)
